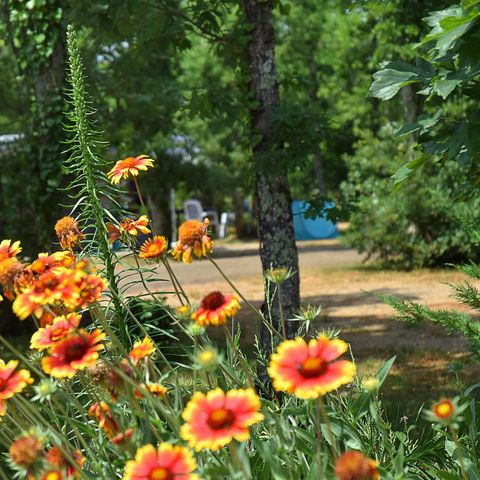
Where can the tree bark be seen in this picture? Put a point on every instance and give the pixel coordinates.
(410, 103)
(275, 221)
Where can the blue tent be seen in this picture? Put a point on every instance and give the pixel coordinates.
(311, 228)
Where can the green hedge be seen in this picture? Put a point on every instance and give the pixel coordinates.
(417, 225)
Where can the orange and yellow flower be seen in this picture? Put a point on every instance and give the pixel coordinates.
(123, 437)
(310, 370)
(156, 389)
(134, 227)
(192, 238)
(101, 412)
(25, 451)
(56, 458)
(9, 249)
(154, 247)
(355, 465)
(128, 228)
(74, 352)
(215, 309)
(167, 462)
(58, 282)
(68, 233)
(141, 350)
(53, 262)
(444, 409)
(129, 166)
(10, 268)
(52, 475)
(214, 419)
(12, 381)
(45, 337)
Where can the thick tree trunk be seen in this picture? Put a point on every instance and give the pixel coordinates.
(275, 221)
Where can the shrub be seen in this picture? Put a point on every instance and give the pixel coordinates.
(414, 226)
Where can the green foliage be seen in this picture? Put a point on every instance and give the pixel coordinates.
(90, 186)
(35, 34)
(446, 71)
(414, 226)
(451, 320)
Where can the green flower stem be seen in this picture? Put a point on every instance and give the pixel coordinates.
(87, 165)
(326, 419)
(142, 328)
(176, 284)
(318, 424)
(236, 459)
(170, 416)
(139, 193)
(257, 312)
(21, 357)
(240, 357)
(175, 281)
(280, 309)
(454, 435)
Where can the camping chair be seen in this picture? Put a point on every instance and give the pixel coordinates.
(193, 210)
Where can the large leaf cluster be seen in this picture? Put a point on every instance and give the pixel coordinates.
(446, 72)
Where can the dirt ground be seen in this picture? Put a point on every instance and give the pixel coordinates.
(348, 291)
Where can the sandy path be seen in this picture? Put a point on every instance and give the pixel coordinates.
(334, 277)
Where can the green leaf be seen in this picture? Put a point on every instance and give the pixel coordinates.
(445, 87)
(390, 80)
(399, 459)
(445, 475)
(405, 171)
(423, 123)
(360, 406)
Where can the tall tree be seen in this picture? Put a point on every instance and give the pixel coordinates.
(36, 34)
(275, 221)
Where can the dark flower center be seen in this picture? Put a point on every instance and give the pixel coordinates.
(76, 351)
(213, 301)
(221, 418)
(312, 367)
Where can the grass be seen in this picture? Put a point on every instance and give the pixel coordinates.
(421, 377)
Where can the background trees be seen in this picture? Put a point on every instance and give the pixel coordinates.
(171, 79)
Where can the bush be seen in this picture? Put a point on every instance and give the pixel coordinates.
(414, 226)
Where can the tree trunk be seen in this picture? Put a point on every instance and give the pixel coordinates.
(410, 103)
(275, 221)
(157, 220)
(238, 209)
(43, 75)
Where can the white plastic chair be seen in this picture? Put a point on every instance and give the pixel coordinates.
(193, 210)
(225, 219)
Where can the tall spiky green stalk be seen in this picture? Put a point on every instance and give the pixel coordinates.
(90, 183)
